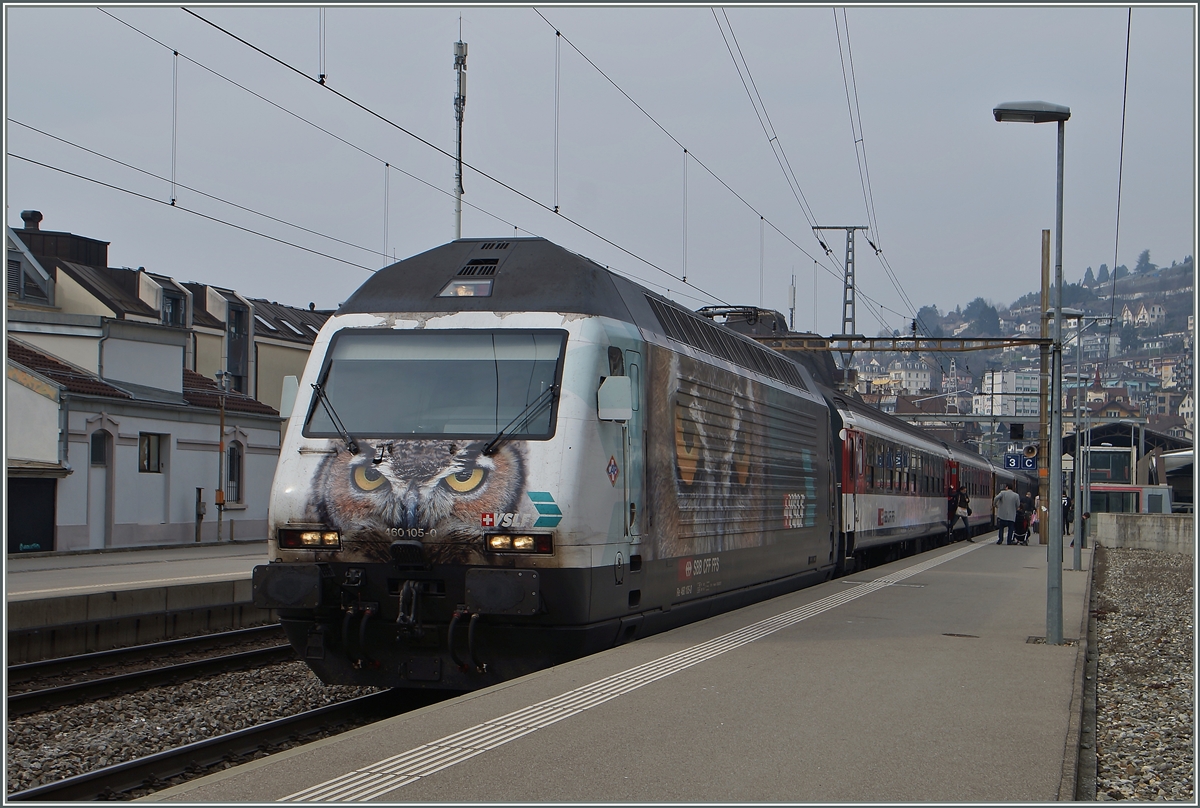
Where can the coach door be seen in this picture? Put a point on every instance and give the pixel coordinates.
(852, 472)
(634, 452)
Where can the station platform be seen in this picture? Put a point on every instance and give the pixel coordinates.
(924, 680)
(65, 603)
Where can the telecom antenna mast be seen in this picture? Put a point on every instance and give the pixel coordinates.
(848, 328)
(792, 304)
(460, 103)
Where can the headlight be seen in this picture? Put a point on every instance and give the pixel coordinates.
(540, 543)
(293, 539)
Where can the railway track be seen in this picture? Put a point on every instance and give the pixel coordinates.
(76, 685)
(173, 766)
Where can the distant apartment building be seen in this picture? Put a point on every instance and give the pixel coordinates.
(115, 369)
(908, 377)
(1007, 392)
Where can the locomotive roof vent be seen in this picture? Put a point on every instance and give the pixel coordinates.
(480, 266)
(494, 245)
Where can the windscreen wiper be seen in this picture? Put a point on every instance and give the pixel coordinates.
(323, 397)
(523, 418)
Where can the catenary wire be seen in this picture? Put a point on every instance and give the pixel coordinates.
(833, 273)
(678, 143)
(482, 173)
(194, 190)
(588, 230)
(760, 111)
(1112, 310)
(301, 118)
(177, 206)
(854, 110)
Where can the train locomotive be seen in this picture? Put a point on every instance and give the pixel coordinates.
(504, 456)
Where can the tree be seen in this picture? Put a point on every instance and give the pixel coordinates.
(1076, 294)
(929, 321)
(1120, 272)
(1103, 276)
(1143, 264)
(1089, 279)
(983, 317)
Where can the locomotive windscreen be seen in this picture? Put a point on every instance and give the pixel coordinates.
(464, 384)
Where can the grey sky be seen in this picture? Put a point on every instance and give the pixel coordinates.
(959, 199)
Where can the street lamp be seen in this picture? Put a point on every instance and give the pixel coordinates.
(1043, 112)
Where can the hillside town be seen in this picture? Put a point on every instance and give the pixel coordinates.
(1128, 353)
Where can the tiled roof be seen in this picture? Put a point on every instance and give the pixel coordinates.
(76, 380)
(201, 391)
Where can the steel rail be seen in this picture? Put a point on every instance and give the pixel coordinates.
(51, 697)
(154, 770)
(25, 671)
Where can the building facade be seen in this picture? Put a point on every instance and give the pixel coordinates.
(113, 432)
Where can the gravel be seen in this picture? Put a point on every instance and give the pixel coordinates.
(51, 745)
(1145, 694)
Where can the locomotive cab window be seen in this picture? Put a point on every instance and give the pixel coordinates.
(384, 383)
(467, 288)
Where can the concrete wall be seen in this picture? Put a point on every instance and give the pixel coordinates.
(149, 508)
(31, 422)
(151, 364)
(275, 362)
(82, 351)
(1171, 533)
(210, 354)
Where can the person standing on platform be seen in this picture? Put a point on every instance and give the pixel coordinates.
(962, 509)
(1006, 503)
(1068, 513)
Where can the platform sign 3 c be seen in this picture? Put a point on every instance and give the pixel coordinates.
(1012, 460)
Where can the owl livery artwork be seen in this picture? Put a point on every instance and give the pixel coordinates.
(504, 456)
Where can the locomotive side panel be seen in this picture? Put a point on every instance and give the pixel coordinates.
(738, 482)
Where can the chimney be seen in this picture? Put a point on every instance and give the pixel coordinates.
(31, 218)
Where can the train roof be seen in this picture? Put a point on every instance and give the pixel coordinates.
(533, 274)
(527, 274)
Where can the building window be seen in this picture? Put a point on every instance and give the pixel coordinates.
(238, 356)
(150, 453)
(173, 309)
(99, 448)
(233, 488)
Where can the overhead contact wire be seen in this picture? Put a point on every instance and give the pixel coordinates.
(1112, 311)
(679, 143)
(445, 153)
(186, 210)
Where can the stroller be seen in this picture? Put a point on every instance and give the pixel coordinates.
(1021, 527)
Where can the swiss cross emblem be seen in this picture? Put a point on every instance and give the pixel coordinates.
(613, 470)
(487, 520)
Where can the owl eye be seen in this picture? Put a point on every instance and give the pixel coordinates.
(464, 481)
(368, 479)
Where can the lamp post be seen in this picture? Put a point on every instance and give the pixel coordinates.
(1042, 112)
(1078, 317)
